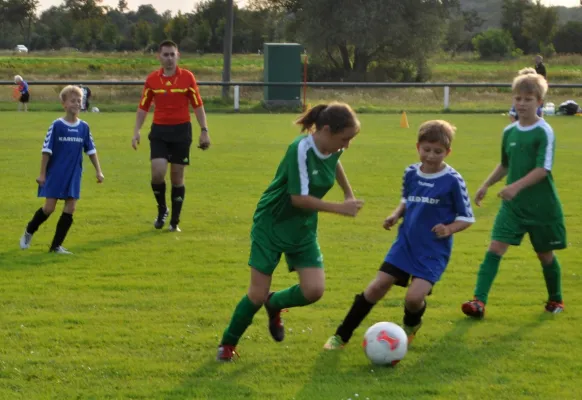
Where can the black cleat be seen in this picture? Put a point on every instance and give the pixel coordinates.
(276, 327)
(161, 218)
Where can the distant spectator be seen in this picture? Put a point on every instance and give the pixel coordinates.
(24, 93)
(540, 67)
(85, 104)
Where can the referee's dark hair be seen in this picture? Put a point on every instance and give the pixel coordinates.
(167, 43)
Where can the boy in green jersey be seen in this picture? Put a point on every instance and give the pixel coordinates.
(285, 221)
(530, 202)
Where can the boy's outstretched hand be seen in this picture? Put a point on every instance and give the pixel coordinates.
(100, 177)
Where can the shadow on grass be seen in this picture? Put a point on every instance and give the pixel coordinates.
(16, 258)
(441, 363)
(215, 380)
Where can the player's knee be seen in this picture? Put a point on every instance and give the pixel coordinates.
(414, 301)
(377, 289)
(48, 209)
(258, 295)
(313, 292)
(546, 258)
(498, 248)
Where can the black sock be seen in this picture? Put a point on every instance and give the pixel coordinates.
(360, 309)
(36, 221)
(413, 318)
(63, 226)
(160, 194)
(178, 193)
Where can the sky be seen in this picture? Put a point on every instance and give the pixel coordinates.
(188, 5)
(159, 5)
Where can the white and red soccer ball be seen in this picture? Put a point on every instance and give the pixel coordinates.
(385, 343)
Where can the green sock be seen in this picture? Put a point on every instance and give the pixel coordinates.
(553, 277)
(241, 320)
(290, 297)
(486, 275)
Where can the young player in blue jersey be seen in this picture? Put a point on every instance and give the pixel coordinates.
(435, 205)
(61, 168)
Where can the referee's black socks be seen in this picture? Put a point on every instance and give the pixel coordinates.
(178, 193)
(159, 190)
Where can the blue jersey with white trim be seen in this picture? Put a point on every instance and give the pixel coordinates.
(432, 199)
(65, 142)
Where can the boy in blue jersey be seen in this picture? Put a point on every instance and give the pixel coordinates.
(61, 168)
(435, 204)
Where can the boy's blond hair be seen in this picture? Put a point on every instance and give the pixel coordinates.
(530, 84)
(68, 90)
(526, 71)
(437, 131)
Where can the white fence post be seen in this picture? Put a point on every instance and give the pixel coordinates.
(236, 98)
(447, 97)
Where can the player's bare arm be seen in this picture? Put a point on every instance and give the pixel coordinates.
(443, 231)
(204, 140)
(534, 176)
(139, 120)
(95, 161)
(349, 207)
(43, 164)
(392, 219)
(342, 180)
(498, 173)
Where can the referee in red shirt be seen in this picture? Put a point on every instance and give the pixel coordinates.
(172, 89)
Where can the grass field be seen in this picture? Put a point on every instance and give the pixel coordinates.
(249, 67)
(137, 313)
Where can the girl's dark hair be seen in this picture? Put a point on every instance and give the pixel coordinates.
(338, 116)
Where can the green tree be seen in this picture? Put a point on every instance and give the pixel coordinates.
(494, 44)
(513, 20)
(540, 26)
(567, 39)
(142, 34)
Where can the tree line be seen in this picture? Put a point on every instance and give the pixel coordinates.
(347, 39)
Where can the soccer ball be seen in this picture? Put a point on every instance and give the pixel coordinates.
(385, 343)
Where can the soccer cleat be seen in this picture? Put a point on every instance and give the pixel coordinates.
(335, 342)
(226, 353)
(60, 250)
(411, 331)
(555, 307)
(275, 323)
(474, 308)
(161, 218)
(174, 228)
(25, 240)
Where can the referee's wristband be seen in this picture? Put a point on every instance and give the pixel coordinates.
(204, 130)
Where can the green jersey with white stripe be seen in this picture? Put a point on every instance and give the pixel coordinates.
(522, 150)
(303, 171)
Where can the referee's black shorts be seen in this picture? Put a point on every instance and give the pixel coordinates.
(171, 142)
(24, 97)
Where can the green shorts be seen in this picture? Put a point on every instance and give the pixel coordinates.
(544, 238)
(265, 259)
